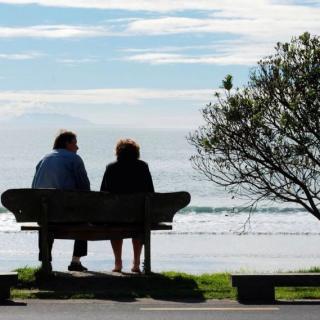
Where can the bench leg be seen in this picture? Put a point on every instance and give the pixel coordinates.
(147, 236)
(255, 293)
(147, 255)
(4, 293)
(46, 266)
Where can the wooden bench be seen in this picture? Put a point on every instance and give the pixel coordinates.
(261, 287)
(7, 280)
(93, 215)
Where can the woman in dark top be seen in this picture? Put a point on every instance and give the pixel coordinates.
(127, 175)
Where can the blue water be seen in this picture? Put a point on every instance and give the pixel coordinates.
(212, 209)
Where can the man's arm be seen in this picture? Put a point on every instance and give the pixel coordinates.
(35, 178)
(80, 173)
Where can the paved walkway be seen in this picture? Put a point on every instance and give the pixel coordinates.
(145, 309)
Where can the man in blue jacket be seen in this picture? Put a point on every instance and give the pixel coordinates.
(64, 169)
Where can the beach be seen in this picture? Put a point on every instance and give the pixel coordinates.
(206, 236)
(190, 253)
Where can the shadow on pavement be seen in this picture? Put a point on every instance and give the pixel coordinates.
(12, 303)
(124, 287)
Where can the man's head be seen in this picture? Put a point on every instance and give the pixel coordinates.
(127, 149)
(66, 140)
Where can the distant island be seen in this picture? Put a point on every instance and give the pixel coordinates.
(45, 120)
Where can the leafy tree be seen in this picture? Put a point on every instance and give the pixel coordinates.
(262, 141)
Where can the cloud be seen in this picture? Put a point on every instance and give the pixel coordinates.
(135, 5)
(17, 108)
(103, 96)
(255, 25)
(20, 56)
(266, 28)
(16, 103)
(72, 62)
(167, 6)
(156, 58)
(220, 53)
(223, 53)
(170, 48)
(261, 19)
(54, 31)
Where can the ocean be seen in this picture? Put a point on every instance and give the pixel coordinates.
(212, 214)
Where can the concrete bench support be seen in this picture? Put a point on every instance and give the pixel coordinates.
(254, 293)
(7, 280)
(261, 287)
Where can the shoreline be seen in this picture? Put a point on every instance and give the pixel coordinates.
(192, 253)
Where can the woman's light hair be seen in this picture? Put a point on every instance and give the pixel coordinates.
(127, 149)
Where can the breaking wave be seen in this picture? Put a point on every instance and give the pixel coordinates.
(234, 210)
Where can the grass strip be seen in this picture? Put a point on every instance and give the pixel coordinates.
(167, 285)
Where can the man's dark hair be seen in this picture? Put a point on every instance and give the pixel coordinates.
(63, 138)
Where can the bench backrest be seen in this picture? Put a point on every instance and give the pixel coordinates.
(89, 206)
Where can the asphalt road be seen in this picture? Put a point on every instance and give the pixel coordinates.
(157, 310)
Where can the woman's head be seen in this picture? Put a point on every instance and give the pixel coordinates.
(127, 149)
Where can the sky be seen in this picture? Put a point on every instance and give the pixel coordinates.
(136, 63)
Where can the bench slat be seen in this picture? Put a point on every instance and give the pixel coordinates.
(99, 207)
(96, 232)
(155, 227)
(277, 280)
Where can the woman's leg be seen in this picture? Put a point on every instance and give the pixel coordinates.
(117, 251)
(137, 247)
